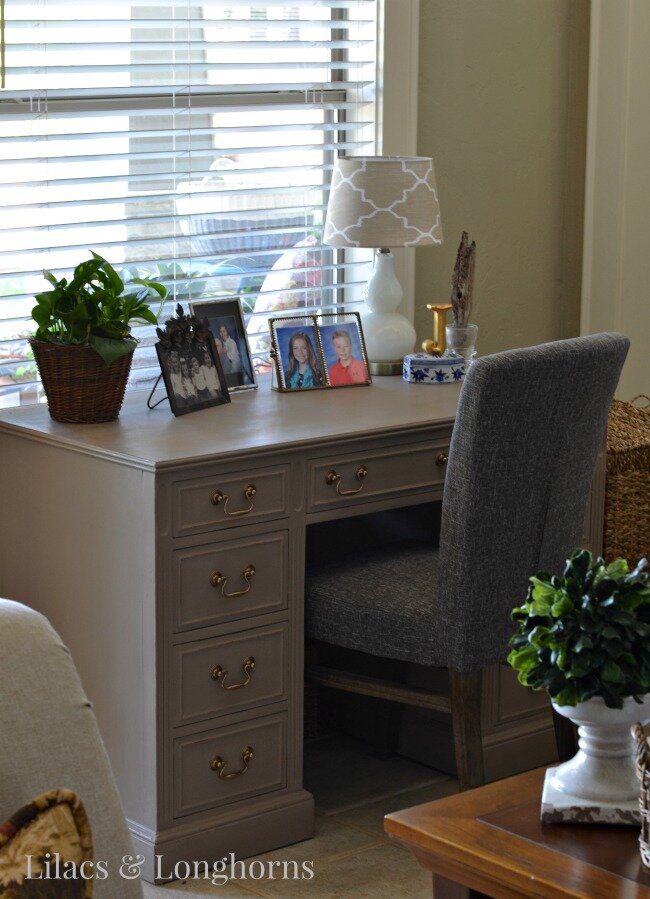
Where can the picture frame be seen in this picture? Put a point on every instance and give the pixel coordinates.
(297, 354)
(344, 350)
(329, 351)
(225, 319)
(190, 366)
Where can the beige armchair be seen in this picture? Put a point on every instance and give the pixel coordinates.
(49, 739)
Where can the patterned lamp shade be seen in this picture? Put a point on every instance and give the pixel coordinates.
(383, 201)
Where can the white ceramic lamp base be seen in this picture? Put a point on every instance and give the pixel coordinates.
(389, 336)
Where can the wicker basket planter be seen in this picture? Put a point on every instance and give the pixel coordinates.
(641, 735)
(627, 487)
(79, 386)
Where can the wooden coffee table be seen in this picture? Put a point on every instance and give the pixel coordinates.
(490, 841)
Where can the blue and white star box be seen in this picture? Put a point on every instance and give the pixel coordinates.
(421, 368)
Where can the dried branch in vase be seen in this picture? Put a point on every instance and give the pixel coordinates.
(462, 281)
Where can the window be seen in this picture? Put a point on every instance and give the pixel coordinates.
(189, 141)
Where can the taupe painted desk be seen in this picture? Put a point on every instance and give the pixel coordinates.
(169, 552)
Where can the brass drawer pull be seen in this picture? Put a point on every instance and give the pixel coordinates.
(441, 459)
(219, 764)
(333, 478)
(219, 497)
(220, 674)
(217, 579)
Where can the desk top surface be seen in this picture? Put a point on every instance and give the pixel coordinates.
(494, 834)
(255, 421)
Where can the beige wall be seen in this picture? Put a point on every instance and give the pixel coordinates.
(616, 282)
(502, 109)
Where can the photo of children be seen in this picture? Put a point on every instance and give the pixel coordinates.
(299, 356)
(344, 356)
(191, 376)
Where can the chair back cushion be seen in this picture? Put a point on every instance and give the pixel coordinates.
(529, 427)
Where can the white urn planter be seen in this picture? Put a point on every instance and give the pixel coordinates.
(599, 784)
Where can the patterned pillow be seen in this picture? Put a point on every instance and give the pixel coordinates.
(45, 840)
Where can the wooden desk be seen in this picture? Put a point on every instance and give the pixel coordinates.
(143, 544)
(491, 840)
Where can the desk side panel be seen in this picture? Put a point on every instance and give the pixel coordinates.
(77, 543)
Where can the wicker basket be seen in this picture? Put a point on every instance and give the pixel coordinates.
(641, 735)
(627, 489)
(79, 386)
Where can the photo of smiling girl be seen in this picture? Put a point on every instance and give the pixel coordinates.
(300, 360)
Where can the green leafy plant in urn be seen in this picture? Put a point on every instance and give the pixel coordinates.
(83, 344)
(584, 637)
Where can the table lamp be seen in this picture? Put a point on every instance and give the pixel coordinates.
(383, 202)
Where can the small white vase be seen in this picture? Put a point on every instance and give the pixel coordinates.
(603, 768)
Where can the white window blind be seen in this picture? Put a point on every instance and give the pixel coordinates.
(192, 142)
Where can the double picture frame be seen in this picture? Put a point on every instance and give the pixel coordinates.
(319, 352)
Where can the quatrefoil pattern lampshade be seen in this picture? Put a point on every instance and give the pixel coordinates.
(383, 201)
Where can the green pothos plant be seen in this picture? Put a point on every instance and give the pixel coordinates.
(586, 633)
(95, 308)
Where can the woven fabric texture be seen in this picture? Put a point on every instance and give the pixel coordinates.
(627, 486)
(49, 739)
(528, 429)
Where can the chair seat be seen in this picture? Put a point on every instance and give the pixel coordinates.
(381, 604)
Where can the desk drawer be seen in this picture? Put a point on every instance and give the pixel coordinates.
(350, 479)
(223, 501)
(229, 674)
(229, 580)
(198, 783)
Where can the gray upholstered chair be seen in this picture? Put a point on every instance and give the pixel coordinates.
(529, 426)
(49, 739)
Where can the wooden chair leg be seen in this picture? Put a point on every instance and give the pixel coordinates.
(566, 737)
(465, 695)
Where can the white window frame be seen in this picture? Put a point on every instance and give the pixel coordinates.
(397, 108)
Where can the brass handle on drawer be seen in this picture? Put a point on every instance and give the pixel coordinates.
(217, 579)
(219, 764)
(441, 459)
(220, 674)
(333, 478)
(219, 497)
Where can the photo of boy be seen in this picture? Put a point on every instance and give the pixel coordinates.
(343, 355)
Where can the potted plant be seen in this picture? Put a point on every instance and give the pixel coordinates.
(584, 638)
(83, 344)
